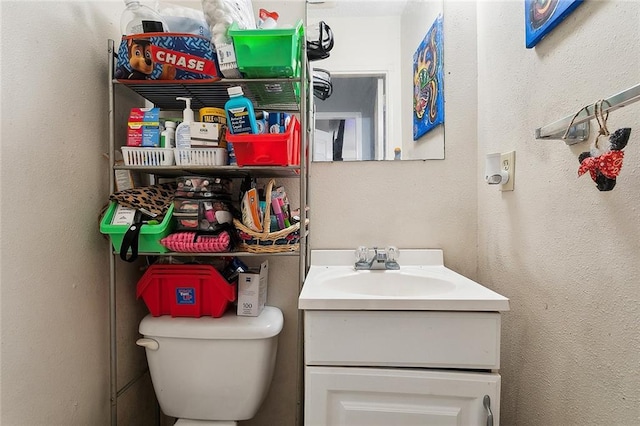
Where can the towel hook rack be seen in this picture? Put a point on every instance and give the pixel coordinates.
(580, 129)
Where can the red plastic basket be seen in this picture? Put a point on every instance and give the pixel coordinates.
(185, 291)
(271, 149)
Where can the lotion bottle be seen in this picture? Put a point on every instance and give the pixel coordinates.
(183, 131)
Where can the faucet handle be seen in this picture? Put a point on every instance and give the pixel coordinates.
(392, 258)
(392, 253)
(361, 254)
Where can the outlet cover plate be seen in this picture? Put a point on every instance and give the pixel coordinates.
(508, 164)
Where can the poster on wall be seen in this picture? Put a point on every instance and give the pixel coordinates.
(542, 16)
(428, 84)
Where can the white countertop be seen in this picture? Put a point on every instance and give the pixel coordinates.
(422, 283)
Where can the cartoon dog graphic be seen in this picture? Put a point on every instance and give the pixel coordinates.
(141, 63)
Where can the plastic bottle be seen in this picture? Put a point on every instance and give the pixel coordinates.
(168, 135)
(138, 18)
(183, 131)
(397, 153)
(262, 121)
(241, 118)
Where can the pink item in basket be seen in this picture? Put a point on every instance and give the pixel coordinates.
(192, 242)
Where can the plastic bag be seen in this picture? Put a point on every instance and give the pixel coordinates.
(184, 19)
(220, 14)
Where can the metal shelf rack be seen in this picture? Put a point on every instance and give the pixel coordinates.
(280, 94)
(226, 171)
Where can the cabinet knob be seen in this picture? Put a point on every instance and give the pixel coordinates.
(487, 405)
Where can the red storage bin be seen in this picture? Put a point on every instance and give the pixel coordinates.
(185, 291)
(270, 149)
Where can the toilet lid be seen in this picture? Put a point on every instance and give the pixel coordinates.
(229, 326)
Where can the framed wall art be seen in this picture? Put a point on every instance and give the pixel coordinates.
(542, 16)
(428, 82)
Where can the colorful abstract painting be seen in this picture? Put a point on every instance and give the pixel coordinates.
(428, 82)
(542, 16)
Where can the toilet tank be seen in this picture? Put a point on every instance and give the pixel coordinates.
(212, 368)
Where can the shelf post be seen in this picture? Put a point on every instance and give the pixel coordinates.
(113, 354)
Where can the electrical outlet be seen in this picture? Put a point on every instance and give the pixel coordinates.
(508, 164)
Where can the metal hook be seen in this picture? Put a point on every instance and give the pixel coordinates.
(580, 131)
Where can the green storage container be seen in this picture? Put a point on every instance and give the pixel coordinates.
(150, 235)
(270, 53)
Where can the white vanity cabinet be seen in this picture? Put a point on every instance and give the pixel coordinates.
(401, 368)
(408, 347)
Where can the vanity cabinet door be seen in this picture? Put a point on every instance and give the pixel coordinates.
(346, 396)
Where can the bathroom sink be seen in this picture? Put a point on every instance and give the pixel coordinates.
(408, 282)
(422, 283)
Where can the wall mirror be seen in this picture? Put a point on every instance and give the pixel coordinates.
(370, 113)
(350, 124)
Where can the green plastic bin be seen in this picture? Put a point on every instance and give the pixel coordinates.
(270, 53)
(150, 235)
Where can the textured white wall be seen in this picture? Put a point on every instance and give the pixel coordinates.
(563, 252)
(55, 275)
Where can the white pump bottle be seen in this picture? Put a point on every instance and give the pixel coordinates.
(183, 131)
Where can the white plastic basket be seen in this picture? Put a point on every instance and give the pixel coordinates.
(201, 156)
(136, 156)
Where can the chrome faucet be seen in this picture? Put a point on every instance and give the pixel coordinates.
(381, 259)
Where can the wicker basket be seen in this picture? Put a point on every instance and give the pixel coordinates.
(284, 240)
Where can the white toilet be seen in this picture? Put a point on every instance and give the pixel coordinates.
(211, 371)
